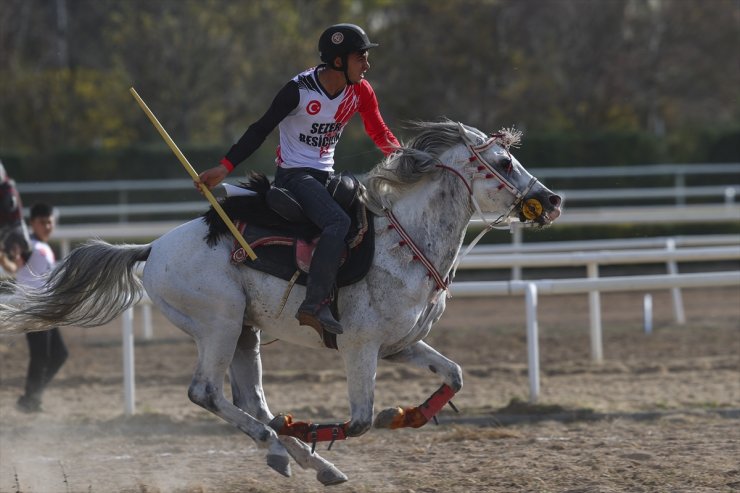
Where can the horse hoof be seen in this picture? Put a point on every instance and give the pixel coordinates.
(331, 476)
(280, 463)
(386, 417)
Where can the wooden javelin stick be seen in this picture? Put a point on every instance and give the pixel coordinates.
(193, 175)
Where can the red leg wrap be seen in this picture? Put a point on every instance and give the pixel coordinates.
(416, 417)
(307, 431)
(437, 401)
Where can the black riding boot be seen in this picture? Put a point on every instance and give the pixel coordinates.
(322, 274)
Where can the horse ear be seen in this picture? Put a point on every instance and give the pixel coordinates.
(466, 133)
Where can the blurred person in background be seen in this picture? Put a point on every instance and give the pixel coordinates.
(311, 111)
(46, 349)
(15, 244)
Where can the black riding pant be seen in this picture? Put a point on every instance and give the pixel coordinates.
(309, 188)
(47, 354)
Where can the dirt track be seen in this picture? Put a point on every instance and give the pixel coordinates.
(661, 414)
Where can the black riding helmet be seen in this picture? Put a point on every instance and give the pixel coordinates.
(340, 40)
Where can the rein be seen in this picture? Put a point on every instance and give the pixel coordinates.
(418, 254)
(475, 150)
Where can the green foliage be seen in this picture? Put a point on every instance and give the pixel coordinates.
(57, 108)
(706, 144)
(357, 153)
(591, 83)
(593, 149)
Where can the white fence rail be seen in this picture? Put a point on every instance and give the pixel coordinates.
(124, 212)
(124, 209)
(580, 258)
(686, 214)
(67, 233)
(610, 244)
(592, 260)
(728, 193)
(648, 214)
(561, 286)
(723, 209)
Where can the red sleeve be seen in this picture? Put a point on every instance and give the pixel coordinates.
(374, 124)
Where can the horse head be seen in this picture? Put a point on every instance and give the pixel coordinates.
(478, 170)
(500, 184)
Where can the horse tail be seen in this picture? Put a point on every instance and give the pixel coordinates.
(90, 287)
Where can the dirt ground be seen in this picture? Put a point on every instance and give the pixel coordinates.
(662, 413)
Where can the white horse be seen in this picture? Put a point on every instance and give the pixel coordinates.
(423, 197)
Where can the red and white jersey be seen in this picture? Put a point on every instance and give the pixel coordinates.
(309, 134)
(311, 122)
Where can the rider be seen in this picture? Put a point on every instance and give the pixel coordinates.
(311, 111)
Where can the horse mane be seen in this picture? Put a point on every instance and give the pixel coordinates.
(414, 160)
(419, 157)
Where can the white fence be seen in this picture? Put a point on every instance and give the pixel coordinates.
(68, 233)
(531, 289)
(592, 261)
(721, 209)
(125, 211)
(628, 283)
(610, 244)
(121, 207)
(479, 259)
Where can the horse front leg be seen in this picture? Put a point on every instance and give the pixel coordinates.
(361, 363)
(424, 356)
(245, 375)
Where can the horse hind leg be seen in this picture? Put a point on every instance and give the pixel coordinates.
(245, 375)
(215, 353)
(424, 356)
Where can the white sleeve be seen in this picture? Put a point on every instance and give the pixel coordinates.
(39, 263)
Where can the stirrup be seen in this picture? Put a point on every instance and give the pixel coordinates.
(319, 318)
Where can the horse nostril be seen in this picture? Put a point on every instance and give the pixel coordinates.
(555, 200)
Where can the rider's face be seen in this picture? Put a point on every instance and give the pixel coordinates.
(357, 65)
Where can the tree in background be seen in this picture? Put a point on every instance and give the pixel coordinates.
(575, 65)
(208, 67)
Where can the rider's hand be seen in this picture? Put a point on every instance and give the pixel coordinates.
(212, 177)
